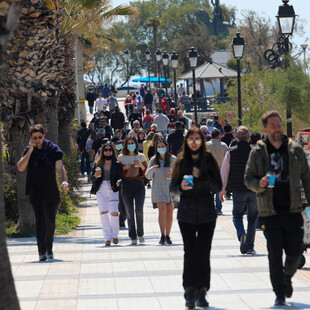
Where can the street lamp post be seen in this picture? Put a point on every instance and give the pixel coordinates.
(174, 65)
(158, 59)
(286, 20)
(193, 56)
(127, 58)
(238, 49)
(165, 63)
(148, 58)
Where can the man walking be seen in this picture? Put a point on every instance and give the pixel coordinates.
(162, 121)
(148, 101)
(91, 97)
(175, 139)
(112, 103)
(244, 200)
(218, 150)
(279, 205)
(40, 158)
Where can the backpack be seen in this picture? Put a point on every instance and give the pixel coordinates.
(147, 125)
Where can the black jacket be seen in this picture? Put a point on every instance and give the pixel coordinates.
(197, 205)
(175, 141)
(115, 175)
(117, 120)
(239, 155)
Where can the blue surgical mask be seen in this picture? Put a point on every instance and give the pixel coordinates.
(127, 127)
(131, 147)
(118, 147)
(162, 150)
(307, 212)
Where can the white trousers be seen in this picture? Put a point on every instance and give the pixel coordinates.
(108, 202)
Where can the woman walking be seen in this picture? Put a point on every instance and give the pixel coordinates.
(159, 170)
(133, 190)
(108, 174)
(197, 178)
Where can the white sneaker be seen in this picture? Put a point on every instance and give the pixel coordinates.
(141, 239)
(134, 241)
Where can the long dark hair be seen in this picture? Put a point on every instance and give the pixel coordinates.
(185, 158)
(100, 160)
(157, 155)
(124, 149)
(156, 137)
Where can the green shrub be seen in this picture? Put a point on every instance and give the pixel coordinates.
(10, 198)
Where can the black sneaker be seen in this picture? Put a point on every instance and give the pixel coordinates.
(280, 301)
(168, 240)
(162, 240)
(243, 246)
(50, 255)
(42, 257)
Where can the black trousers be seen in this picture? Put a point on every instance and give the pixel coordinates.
(283, 232)
(133, 194)
(197, 241)
(122, 210)
(45, 215)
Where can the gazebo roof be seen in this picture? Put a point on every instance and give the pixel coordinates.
(210, 70)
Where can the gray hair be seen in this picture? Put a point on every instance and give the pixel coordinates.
(243, 133)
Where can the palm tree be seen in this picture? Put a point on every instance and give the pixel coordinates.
(8, 296)
(87, 22)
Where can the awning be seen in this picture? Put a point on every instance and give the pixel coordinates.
(152, 79)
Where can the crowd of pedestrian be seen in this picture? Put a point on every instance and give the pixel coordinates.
(192, 169)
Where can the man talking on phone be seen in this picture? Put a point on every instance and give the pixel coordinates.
(41, 158)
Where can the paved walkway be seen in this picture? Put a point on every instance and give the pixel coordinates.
(87, 275)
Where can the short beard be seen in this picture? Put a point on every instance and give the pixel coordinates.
(275, 139)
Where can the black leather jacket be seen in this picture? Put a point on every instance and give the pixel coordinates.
(115, 175)
(197, 205)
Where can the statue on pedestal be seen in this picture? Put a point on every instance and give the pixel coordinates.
(216, 26)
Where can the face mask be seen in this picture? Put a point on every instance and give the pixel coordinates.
(118, 147)
(127, 127)
(96, 116)
(108, 157)
(195, 152)
(131, 147)
(101, 117)
(162, 150)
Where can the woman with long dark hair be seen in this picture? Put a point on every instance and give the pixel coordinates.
(159, 170)
(133, 190)
(108, 174)
(196, 177)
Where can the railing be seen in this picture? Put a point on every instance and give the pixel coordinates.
(205, 104)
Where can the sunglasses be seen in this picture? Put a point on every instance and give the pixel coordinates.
(191, 141)
(107, 150)
(39, 137)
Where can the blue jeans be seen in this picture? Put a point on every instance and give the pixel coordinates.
(85, 164)
(245, 202)
(218, 203)
(150, 107)
(91, 108)
(164, 133)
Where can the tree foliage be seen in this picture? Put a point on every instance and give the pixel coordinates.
(175, 26)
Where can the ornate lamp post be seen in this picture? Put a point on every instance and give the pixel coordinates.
(148, 58)
(126, 55)
(158, 59)
(193, 56)
(304, 47)
(286, 20)
(238, 49)
(165, 63)
(174, 65)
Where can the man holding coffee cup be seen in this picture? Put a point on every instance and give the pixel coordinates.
(280, 206)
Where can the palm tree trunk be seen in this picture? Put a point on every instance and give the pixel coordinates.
(8, 297)
(52, 125)
(64, 137)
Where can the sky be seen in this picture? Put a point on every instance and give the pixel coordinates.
(269, 8)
